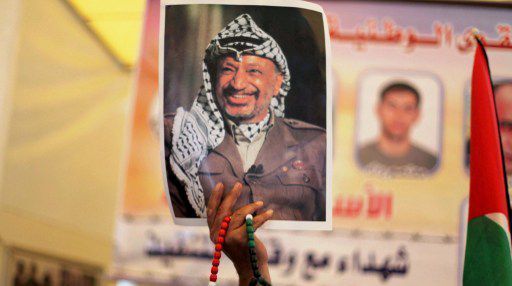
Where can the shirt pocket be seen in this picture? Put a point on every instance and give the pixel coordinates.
(305, 178)
(301, 190)
(212, 171)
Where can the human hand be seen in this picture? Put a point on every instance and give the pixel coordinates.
(236, 246)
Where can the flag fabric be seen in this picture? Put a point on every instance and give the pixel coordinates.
(488, 257)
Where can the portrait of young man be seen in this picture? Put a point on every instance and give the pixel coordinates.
(503, 97)
(237, 129)
(393, 152)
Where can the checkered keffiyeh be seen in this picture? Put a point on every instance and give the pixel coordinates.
(250, 131)
(196, 132)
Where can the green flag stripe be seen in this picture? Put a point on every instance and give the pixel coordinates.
(487, 260)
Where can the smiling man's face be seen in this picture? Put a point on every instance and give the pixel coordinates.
(244, 89)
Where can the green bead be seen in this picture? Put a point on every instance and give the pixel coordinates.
(262, 281)
(250, 236)
(252, 244)
(250, 229)
(254, 259)
(248, 222)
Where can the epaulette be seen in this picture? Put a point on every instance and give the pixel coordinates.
(298, 124)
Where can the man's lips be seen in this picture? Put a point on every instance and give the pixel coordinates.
(239, 99)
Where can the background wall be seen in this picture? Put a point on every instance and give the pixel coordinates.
(64, 110)
(388, 230)
(63, 136)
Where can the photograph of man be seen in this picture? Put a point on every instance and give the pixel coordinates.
(503, 99)
(398, 110)
(236, 132)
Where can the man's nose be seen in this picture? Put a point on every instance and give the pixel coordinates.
(239, 80)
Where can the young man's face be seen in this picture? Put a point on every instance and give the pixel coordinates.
(244, 89)
(397, 111)
(504, 110)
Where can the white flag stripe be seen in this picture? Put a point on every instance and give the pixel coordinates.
(501, 220)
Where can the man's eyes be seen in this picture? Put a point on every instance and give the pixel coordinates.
(506, 125)
(226, 69)
(406, 108)
(254, 71)
(392, 105)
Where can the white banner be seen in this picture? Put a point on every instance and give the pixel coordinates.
(162, 253)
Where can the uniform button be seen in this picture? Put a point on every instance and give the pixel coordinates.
(306, 178)
(285, 169)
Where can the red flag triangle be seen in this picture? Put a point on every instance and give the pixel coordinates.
(488, 185)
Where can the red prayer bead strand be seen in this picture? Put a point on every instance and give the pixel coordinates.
(215, 270)
(218, 250)
(215, 262)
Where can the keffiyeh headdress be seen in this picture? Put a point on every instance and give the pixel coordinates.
(196, 132)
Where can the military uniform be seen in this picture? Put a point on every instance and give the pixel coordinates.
(288, 174)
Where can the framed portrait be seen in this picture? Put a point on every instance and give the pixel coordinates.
(502, 86)
(399, 123)
(245, 93)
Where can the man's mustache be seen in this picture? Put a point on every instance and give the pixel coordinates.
(230, 91)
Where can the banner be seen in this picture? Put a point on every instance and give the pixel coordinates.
(401, 72)
(143, 184)
(159, 253)
(426, 48)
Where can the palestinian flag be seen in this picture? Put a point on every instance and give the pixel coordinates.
(488, 258)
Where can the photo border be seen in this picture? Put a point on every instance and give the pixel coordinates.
(405, 73)
(271, 224)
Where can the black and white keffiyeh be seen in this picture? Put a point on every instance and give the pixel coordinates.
(196, 132)
(251, 131)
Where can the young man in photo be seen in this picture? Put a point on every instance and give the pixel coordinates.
(398, 111)
(503, 97)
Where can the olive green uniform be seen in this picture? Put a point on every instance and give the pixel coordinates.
(288, 174)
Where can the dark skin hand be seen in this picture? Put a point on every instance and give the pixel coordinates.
(235, 247)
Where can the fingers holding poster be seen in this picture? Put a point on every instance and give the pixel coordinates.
(251, 108)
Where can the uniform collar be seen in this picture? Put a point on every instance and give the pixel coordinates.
(278, 148)
(249, 133)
